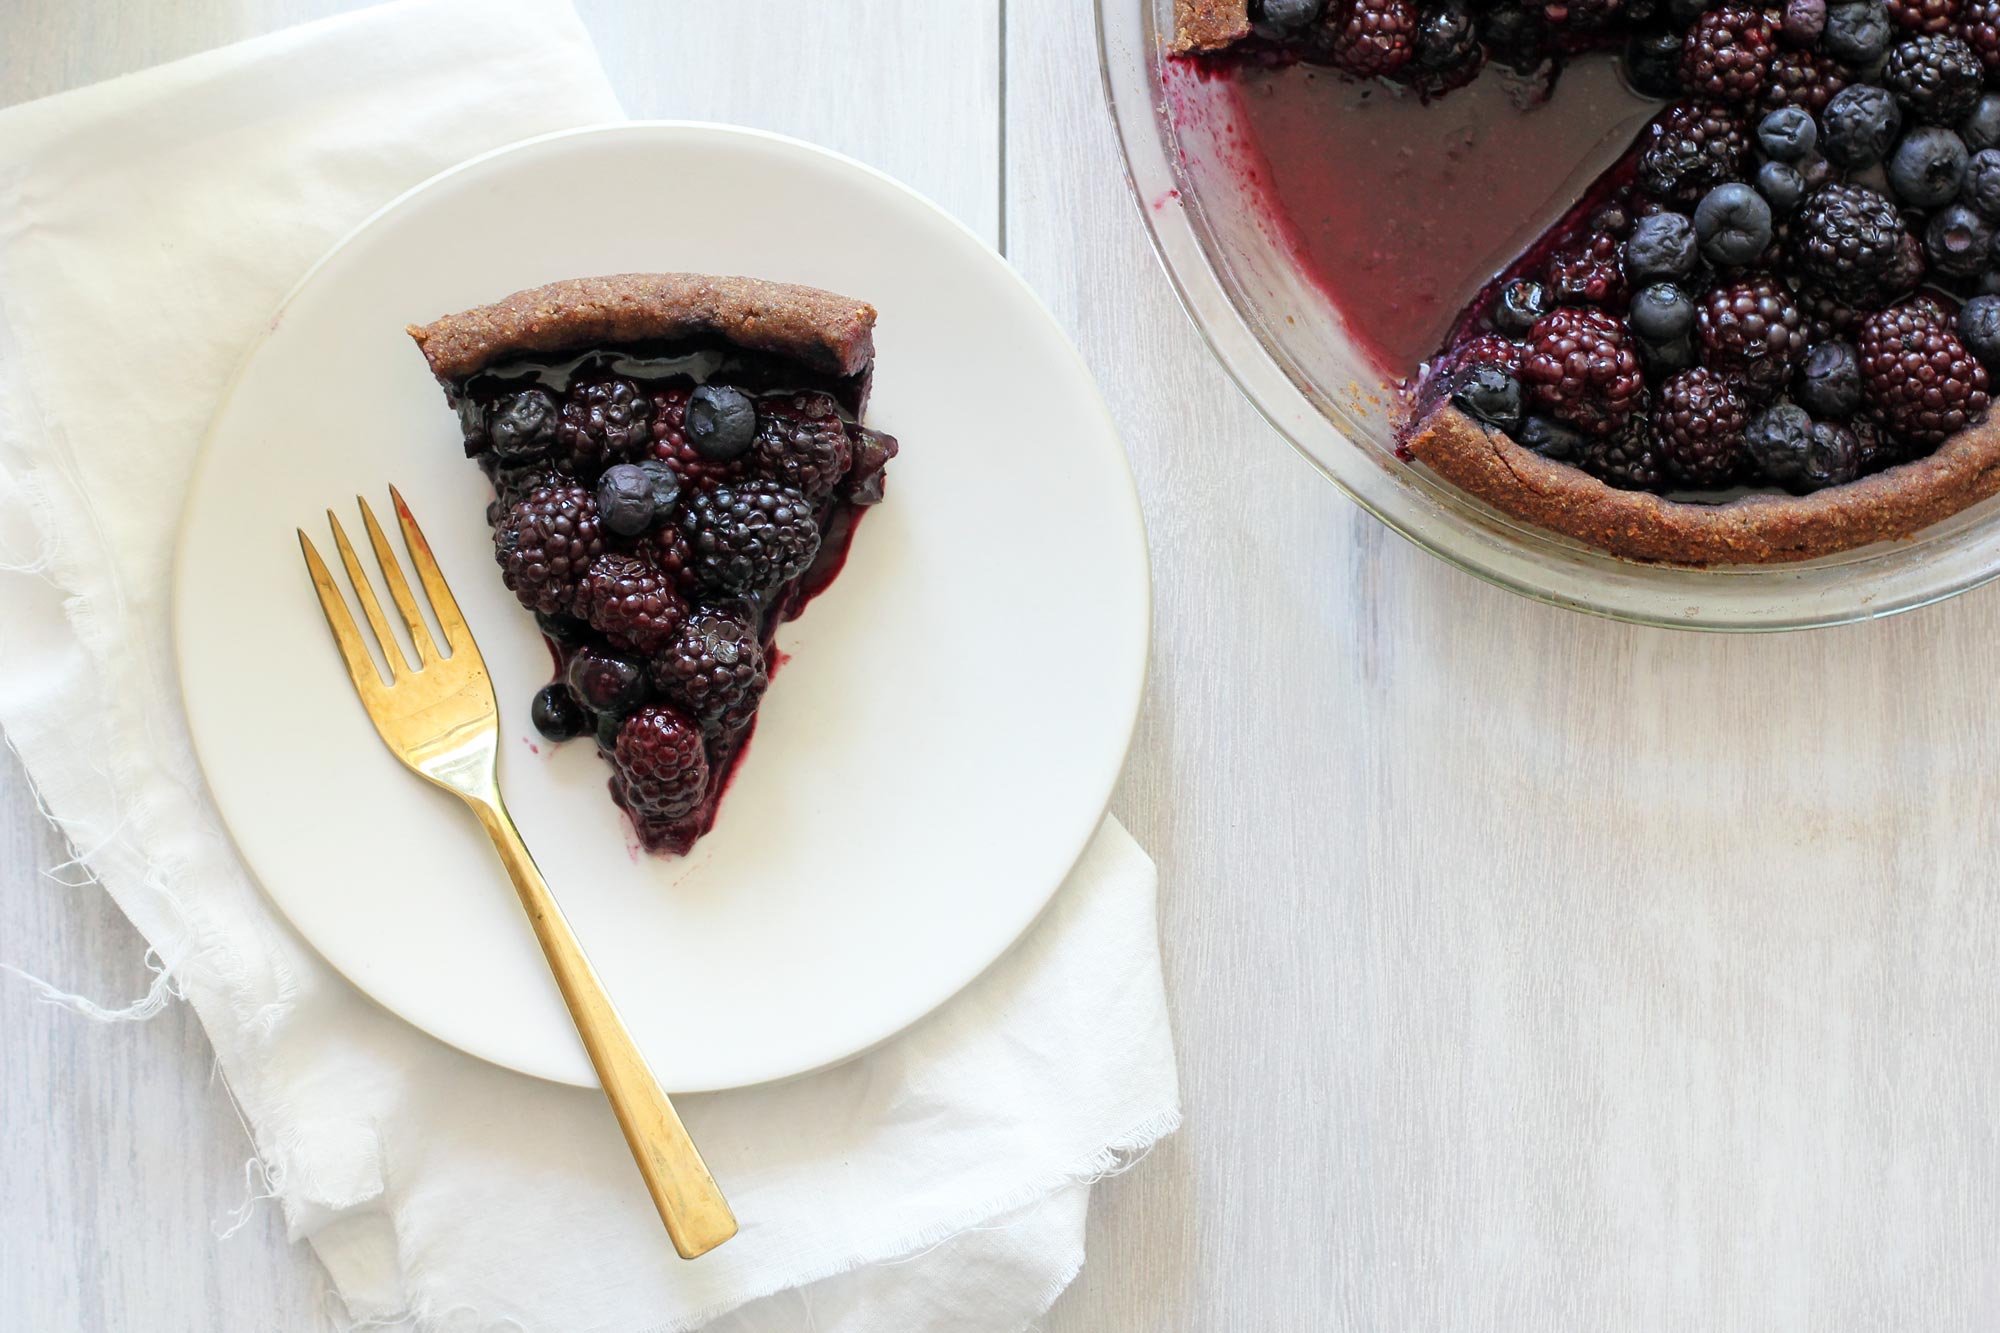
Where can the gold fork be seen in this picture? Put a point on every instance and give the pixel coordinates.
(439, 718)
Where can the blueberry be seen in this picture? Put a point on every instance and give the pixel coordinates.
(1803, 22)
(1550, 438)
(1979, 328)
(1958, 242)
(625, 499)
(1857, 32)
(666, 485)
(1683, 13)
(1782, 187)
(1987, 283)
(1816, 171)
(1520, 303)
(1830, 381)
(1282, 18)
(557, 714)
(1981, 128)
(1661, 313)
(1734, 224)
(522, 425)
(1779, 440)
(1489, 393)
(1513, 39)
(1833, 456)
(1982, 182)
(1653, 63)
(1667, 357)
(1927, 166)
(721, 422)
(1661, 246)
(607, 731)
(1788, 134)
(1860, 124)
(605, 682)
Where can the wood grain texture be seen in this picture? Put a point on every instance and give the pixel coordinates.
(1529, 971)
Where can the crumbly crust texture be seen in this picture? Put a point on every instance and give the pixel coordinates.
(830, 334)
(1753, 530)
(1209, 25)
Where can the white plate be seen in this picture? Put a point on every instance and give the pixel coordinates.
(928, 765)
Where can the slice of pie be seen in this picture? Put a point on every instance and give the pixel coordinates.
(679, 465)
(1765, 334)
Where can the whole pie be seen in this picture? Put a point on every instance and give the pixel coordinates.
(1765, 333)
(678, 466)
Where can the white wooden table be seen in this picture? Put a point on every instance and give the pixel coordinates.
(1528, 971)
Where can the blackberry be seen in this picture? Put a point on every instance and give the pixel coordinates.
(1689, 149)
(1803, 79)
(1935, 77)
(514, 484)
(1927, 166)
(1847, 238)
(544, 544)
(1958, 242)
(868, 472)
(1628, 459)
(1488, 393)
(1490, 348)
(670, 445)
(1372, 38)
(801, 443)
(1979, 28)
(521, 426)
(666, 546)
(714, 669)
(1520, 303)
(604, 419)
(1859, 125)
(1829, 383)
(1581, 366)
(1923, 15)
(1751, 331)
(1587, 274)
(660, 770)
(1698, 420)
(1858, 32)
(1917, 378)
(748, 537)
(630, 602)
(1725, 53)
(1582, 15)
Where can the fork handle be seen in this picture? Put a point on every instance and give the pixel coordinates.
(697, 1216)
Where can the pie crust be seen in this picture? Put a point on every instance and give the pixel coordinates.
(1209, 25)
(832, 335)
(1752, 530)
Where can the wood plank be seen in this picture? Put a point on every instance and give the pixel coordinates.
(1528, 970)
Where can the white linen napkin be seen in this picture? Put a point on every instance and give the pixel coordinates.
(148, 228)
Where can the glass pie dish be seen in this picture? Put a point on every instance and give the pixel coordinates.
(1235, 265)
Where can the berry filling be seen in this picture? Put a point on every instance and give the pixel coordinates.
(663, 509)
(1787, 281)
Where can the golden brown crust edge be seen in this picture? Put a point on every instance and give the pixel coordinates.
(1754, 530)
(1209, 25)
(831, 334)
